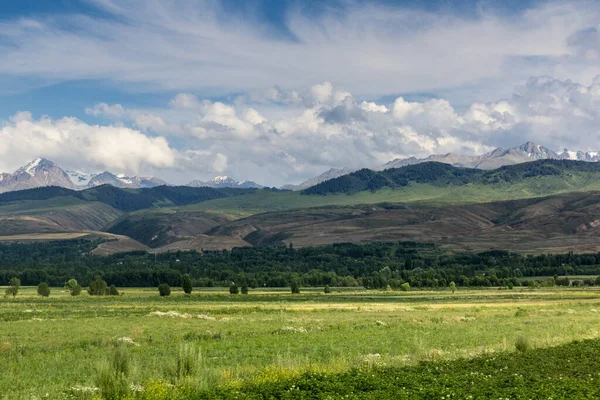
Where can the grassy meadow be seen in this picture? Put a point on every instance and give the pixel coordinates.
(58, 347)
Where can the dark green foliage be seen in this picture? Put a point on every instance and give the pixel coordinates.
(112, 291)
(13, 287)
(164, 289)
(440, 174)
(186, 284)
(295, 287)
(73, 287)
(128, 199)
(97, 288)
(327, 289)
(43, 289)
(233, 289)
(522, 344)
(372, 265)
(244, 289)
(563, 372)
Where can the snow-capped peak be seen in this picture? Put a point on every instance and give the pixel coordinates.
(221, 179)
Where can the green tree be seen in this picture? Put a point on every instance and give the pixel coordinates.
(164, 289)
(73, 287)
(327, 289)
(452, 286)
(233, 289)
(405, 287)
(43, 289)
(186, 284)
(295, 288)
(112, 291)
(97, 288)
(244, 289)
(13, 287)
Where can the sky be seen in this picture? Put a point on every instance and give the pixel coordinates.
(280, 91)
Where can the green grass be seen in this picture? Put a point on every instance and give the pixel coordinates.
(416, 194)
(52, 345)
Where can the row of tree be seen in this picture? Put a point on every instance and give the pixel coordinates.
(373, 265)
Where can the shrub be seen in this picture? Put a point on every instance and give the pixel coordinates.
(295, 288)
(97, 288)
(327, 289)
(186, 284)
(188, 360)
(452, 287)
(522, 344)
(388, 288)
(73, 287)
(405, 287)
(233, 289)
(244, 289)
(43, 289)
(112, 375)
(13, 287)
(521, 312)
(164, 289)
(112, 291)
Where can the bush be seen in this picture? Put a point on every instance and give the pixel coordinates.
(522, 344)
(188, 360)
(112, 375)
(295, 288)
(97, 288)
(244, 289)
(233, 289)
(186, 284)
(43, 289)
(452, 287)
(327, 289)
(164, 289)
(73, 287)
(13, 287)
(405, 287)
(112, 291)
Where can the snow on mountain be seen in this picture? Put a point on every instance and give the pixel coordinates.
(123, 181)
(499, 157)
(219, 182)
(37, 173)
(80, 179)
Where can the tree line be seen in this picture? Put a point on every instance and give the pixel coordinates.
(372, 265)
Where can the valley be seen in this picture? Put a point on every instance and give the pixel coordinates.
(534, 207)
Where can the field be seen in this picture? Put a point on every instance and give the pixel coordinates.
(57, 347)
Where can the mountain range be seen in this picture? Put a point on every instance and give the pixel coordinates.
(528, 151)
(42, 172)
(221, 182)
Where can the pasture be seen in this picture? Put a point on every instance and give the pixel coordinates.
(57, 347)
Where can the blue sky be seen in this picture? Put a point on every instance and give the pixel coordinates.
(279, 91)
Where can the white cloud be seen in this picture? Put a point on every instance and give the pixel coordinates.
(368, 49)
(274, 142)
(72, 142)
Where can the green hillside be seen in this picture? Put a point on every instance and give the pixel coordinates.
(441, 175)
(124, 199)
(416, 194)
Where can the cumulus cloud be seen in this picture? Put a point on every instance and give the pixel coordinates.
(276, 142)
(77, 144)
